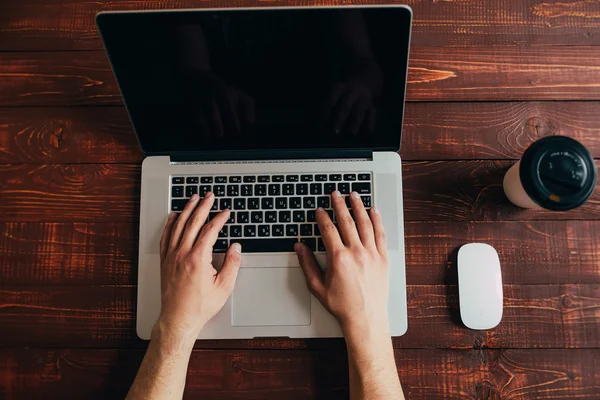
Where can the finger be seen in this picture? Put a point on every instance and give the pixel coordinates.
(345, 222)
(196, 221)
(181, 221)
(311, 269)
(363, 222)
(216, 122)
(166, 236)
(379, 232)
(231, 266)
(329, 233)
(342, 110)
(371, 119)
(229, 114)
(210, 232)
(357, 116)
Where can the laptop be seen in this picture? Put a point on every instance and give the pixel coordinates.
(271, 109)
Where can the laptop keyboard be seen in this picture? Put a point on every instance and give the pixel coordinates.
(269, 213)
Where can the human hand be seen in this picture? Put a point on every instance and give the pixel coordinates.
(354, 287)
(192, 290)
(349, 108)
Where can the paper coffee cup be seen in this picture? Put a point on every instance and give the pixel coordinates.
(556, 173)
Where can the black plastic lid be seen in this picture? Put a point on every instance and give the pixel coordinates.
(558, 173)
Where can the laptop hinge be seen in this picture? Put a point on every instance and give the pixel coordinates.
(271, 155)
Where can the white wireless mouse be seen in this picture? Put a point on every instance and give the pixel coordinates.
(479, 286)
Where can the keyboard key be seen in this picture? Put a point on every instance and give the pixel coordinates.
(231, 219)
(212, 215)
(219, 190)
(295, 202)
(239, 204)
(267, 203)
(254, 203)
(271, 216)
(330, 213)
(246, 190)
(264, 178)
(257, 217)
(274, 190)
(321, 178)
(323, 202)
(306, 230)
(235, 231)
(299, 216)
(271, 245)
(310, 242)
(349, 177)
(249, 231)
(335, 177)
(329, 188)
(206, 179)
(190, 190)
(177, 205)
(221, 179)
(366, 201)
(292, 178)
(317, 230)
(347, 200)
(309, 202)
(311, 216)
(243, 217)
(278, 230)
(260, 190)
(264, 230)
(364, 177)
(191, 180)
(215, 205)
(220, 246)
(278, 178)
(177, 191)
(302, 189)
(281, 203)
(344, 187)
(291, 230)
(225, 204)
(285, 216)
(320, 245)
(249, 179)
(233, 190)
(288, 189)
(316, 188)
(306, 178)
(362, 188)
(177, 180)
(224, 231)
(203, 190)
(235, 179)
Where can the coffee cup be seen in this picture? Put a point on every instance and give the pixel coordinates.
(556, 173)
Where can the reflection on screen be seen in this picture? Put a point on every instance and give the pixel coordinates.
(262, 79)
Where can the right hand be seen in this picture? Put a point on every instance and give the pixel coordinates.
(354, 287)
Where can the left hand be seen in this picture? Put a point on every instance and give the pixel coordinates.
(192, 290)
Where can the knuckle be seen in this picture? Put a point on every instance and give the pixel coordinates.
(346, 219)
(329, 227)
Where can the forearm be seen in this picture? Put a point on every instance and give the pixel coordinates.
(372, 368)
(164, 368)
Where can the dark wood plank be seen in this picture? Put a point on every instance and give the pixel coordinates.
(535, 316)
(432, 131)
(247, 374)
(538, 252)
(69, 24)
(473, 73)
(433, 191)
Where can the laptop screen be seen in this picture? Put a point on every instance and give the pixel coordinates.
(272, 79)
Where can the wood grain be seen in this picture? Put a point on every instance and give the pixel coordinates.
(247, 374)
(432, 131)
(69, 24)
(535, 316)
(435, 74)
(433, 191)
(537, 252)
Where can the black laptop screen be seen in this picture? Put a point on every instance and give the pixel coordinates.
(277, 79)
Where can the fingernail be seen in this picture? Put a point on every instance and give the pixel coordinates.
(320, 209)
(237, 248)
(194, 197)
(375, 210)
(355, 195)
(208, 194)
(172, 215)
(337, 194)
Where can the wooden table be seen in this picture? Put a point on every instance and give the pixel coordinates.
(487, 78)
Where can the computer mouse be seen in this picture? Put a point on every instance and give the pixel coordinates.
(479, 286)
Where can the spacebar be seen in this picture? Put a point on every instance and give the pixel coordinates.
(266, 245)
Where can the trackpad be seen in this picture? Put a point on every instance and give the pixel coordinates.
(270, 296)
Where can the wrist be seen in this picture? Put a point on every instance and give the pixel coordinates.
(173, 339)
(367, 338)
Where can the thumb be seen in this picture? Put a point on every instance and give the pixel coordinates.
(229, 271)
(312, 272)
